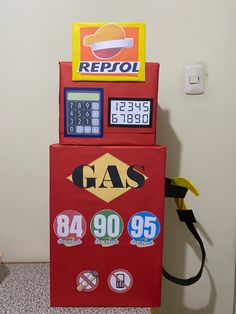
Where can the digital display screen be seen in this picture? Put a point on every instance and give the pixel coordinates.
(130, 112)
(82, 96)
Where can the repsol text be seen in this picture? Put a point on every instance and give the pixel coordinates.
(108, 67)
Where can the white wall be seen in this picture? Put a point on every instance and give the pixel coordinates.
(198, 130)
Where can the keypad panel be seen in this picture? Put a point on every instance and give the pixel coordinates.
(83, 118)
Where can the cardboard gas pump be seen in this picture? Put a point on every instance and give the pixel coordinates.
(107, 176)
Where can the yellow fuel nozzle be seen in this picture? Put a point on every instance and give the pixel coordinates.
(186, 183)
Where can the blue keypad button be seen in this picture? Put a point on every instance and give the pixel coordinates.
(71, 113)
(80, 129)
(87, 121)
(71, 105)
(71, 129)
(95, 105)
(80, 113)
(72, 121)
(87, 106)
(79, 105)
(95, 114)
(87, 129)
(95, 121)
(79, 121)
(95, 130)
(87, 114)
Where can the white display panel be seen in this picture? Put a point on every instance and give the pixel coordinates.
(130, 112)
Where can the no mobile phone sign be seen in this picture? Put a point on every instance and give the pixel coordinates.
(120, 281)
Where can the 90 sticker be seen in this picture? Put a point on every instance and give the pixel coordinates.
(106, 226)
(69, 226)
(143, 228)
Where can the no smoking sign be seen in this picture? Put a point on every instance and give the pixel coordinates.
(120, 281)
(87, 281)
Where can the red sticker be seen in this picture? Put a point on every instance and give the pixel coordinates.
(120, 280)
(87, 280)
(69, 226)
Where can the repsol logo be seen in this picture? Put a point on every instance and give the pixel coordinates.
(108, 67)
(108, 177)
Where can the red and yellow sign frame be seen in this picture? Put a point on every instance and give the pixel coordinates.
(108, 51)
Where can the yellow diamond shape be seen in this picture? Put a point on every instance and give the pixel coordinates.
(109, 193)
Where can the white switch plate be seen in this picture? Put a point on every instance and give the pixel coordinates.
(194, 79)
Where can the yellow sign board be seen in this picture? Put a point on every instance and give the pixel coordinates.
(108, 51)
(100, 165)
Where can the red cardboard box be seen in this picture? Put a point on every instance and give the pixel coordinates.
(106, 225)
(108, 113)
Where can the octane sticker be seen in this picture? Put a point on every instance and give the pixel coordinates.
(143, 228)
(106, 226)
(69, 226)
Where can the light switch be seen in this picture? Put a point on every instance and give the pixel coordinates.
(194, 79)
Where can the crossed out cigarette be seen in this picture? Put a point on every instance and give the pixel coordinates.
(84, 283)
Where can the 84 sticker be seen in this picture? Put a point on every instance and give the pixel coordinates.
(143, 228)
(69, 226)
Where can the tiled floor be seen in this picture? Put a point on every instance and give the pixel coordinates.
(24, 289)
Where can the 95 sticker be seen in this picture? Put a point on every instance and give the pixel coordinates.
(106, 227)
(143, 228)
(69, 226)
